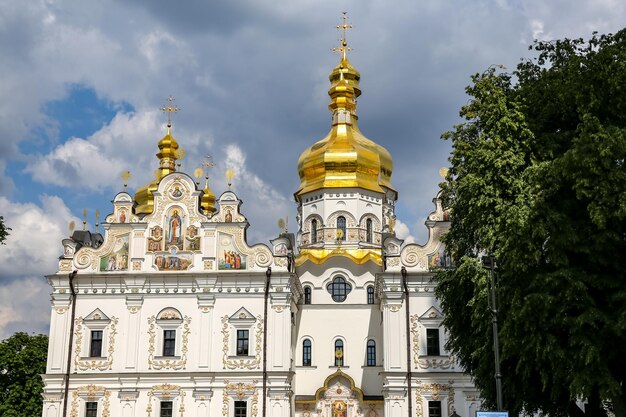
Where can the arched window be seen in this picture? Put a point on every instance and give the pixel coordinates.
(371, 353)
(370, 294)
(313, 231)
(339, 289)
(306, 352)
(341, 228)
(307, 295)
(339, 357)
(368, 231)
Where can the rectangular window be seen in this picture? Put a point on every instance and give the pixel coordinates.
(95, 349)
(91, 408)
(169, 342)
(434, 408)
(306, 353)
(167, 409)
(432, 342)
(371, 354)
(242, 342)
(241, 408)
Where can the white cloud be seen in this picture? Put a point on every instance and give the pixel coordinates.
(31, 252)
(403, 232)
(24, 306)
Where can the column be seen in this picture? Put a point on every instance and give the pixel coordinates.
(205, 305)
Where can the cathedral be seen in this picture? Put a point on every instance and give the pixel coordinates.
(171, 312)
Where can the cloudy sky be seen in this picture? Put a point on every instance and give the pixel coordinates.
(82, 82)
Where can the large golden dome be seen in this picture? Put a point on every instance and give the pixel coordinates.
(345, 157)
(167, 164)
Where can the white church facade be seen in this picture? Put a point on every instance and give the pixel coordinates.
(171, 312)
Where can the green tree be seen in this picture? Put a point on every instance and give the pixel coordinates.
(4, 231)
(538, 179)
(22, 360)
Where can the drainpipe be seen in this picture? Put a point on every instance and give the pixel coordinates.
(409, 374)
(268, 276)
(69, 346)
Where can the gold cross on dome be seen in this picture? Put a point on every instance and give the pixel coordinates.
(170, 108)
(343, 41)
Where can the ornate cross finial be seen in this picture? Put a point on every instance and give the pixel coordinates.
(230, 174)
(208, 163)
(125, 177)
(343, 41)
(170, 108)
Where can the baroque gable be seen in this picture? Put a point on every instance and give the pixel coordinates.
(176, 237)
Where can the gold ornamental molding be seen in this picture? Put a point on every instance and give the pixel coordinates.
(415, 333)
(91, 393)
(100, 364)
(241, 390)
(158, 363)
(234, 363)
(435, 391)
(166, 392)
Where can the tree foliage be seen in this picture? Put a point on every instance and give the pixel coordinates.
(538, 179)
(22, 360)
(4, 231)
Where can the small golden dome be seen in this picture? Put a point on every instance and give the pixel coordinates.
(207, 202)
(144, 198)
(345, 157)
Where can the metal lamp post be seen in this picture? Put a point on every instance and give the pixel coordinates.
(490, 262)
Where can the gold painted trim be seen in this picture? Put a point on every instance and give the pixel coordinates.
(358, 256)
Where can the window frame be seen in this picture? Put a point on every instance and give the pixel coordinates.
(238, 405)
(341, 294)
(339, 345)
(161, 409)
(313, 231)
(169, 319)
(307, 352)
(433, 349)
(307, 294)
(171, 350)
(92, 340)
(371, 296)
(370, 353)
(342, 225)
(369, 231)
(434, 405)
(87, 410)
(244, 341)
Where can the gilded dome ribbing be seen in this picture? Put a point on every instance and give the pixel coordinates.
(345, 157)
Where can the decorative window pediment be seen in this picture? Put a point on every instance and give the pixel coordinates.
(431, 316)
(97, 316)
(242, 316)
(169, 315)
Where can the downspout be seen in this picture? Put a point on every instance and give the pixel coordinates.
(268, 275)
(69, 346)
(409, 374)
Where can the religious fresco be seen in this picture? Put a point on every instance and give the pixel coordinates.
(117, 260)
(176, 192)
(440, 259)
(174, 228)
(122, 215)
(173, 261)
(339, 409)
(192, 240)
(230, 258)
(155, 240)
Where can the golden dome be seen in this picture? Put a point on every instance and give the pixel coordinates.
(167, 164)
(207, 202)
(345, 157)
